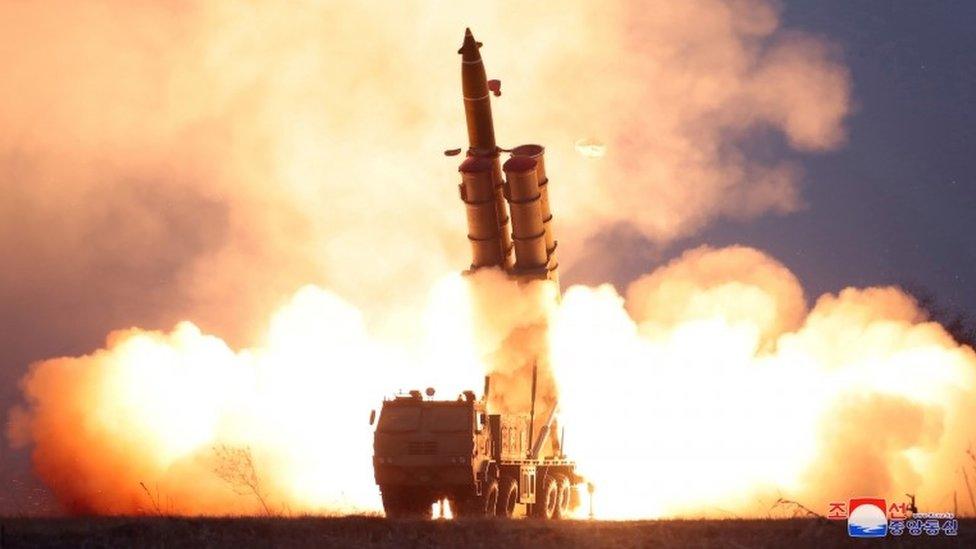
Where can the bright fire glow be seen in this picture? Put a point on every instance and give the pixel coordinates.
(304, 142)
(714, 406)
(708, 391)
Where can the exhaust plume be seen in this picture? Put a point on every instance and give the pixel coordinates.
(723, 403)
(716, 392)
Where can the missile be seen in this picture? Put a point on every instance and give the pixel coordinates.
(481, 143)
(477, 103)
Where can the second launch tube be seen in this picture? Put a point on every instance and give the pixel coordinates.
(525, 204)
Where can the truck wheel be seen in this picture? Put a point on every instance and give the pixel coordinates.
(392, 504)
(406, 505)
(547, 499)
(420, 508)
(565, 493)
(458, 509)
(490, 499)
(507, 497)
(477, 506)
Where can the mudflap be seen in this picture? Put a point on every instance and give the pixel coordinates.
(527, 478)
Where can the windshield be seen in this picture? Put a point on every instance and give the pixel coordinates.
(401, 419)
(398, 420)
(447, 420)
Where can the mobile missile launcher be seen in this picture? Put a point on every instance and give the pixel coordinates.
(484, 464)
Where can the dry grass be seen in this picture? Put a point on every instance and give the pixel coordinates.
(377, 532)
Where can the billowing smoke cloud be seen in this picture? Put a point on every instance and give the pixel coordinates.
(719, 402)
(304, 143)
(718, 393)
(178, 422)
(206, 160)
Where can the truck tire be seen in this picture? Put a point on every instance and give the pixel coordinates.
(564, 493)
(406, 504)
(477, 506)
(507, 497)
(546, 499)
(490, 498)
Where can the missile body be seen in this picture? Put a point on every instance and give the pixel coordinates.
(477, 103)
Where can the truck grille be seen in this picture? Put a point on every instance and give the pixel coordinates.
(422, 447)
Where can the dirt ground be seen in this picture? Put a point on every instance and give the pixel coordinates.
(379, 532)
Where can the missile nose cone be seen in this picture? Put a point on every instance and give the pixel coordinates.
(469, 48)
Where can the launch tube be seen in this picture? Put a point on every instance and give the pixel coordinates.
(537, 153)
(528, 232)
(477, 190)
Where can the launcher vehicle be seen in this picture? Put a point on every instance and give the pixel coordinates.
(484, 464)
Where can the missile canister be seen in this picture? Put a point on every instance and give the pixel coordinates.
(537, 153)
(477, 190)
(528, 230)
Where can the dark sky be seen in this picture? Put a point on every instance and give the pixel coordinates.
(897, 203)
